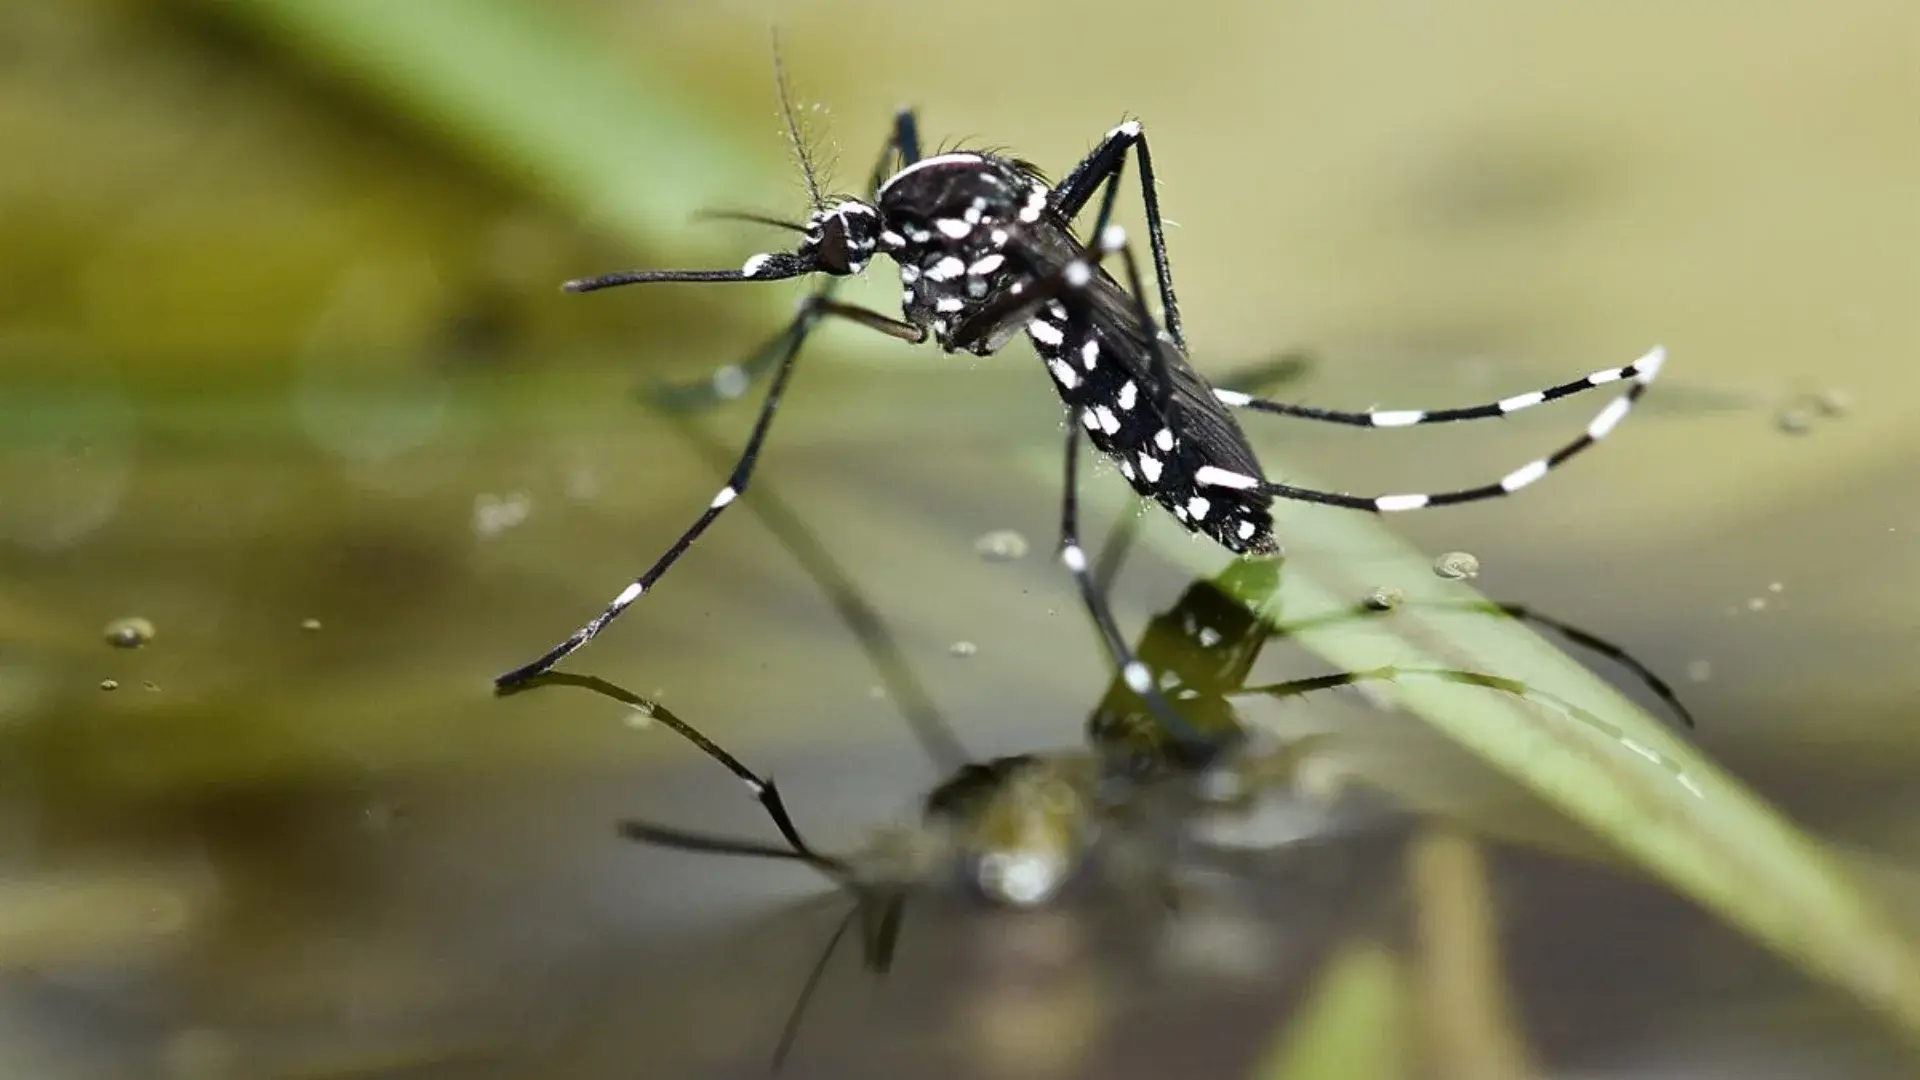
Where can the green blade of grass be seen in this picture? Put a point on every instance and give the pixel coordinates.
(1630, 780)
(528, 94)
(1352, 1025)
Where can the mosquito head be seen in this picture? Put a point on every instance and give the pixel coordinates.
(841, 238)
(1022, 826)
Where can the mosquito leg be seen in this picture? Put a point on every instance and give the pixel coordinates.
(1103, 165)
(791, 1030)
(905, 142)
(1642, 373)
(1395, 673)
(763, 789)
(816, 308)
(1586, 639)
(1136, 674)
(729, 381)
(915, 704)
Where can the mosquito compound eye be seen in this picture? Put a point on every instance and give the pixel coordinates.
(842, 240)
(859, 230)
(827, 244)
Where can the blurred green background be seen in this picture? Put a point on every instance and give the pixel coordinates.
(284, 370)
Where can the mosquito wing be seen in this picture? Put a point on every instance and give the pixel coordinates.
(1170, 437)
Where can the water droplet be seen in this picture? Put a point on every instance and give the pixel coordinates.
(1457, 565)
(963, 648)
(1001, 545)
(1832, 403)
(130, 632)
(1793, 421)
(1385, 598)
(495, 514)
(730, 382)
(378, 816)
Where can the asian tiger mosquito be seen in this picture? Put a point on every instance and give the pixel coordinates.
(986, 250)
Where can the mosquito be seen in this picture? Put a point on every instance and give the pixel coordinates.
(986, 251)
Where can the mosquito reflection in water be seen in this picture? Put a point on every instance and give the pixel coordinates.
(1129, 814)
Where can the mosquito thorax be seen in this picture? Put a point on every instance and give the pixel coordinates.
(947, 220)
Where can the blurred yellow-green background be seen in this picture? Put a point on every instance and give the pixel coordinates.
(284, 370)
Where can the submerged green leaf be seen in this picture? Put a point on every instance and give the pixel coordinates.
(1354, 1023)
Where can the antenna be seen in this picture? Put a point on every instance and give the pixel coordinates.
(800, 151)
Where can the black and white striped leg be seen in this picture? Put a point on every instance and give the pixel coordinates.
(1135, 674)
(856, 612)
(1640, 374)
(1641, 370)
(1104, 166)
(815, 308)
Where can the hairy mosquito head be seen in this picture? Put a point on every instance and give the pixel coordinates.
(841, 238)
